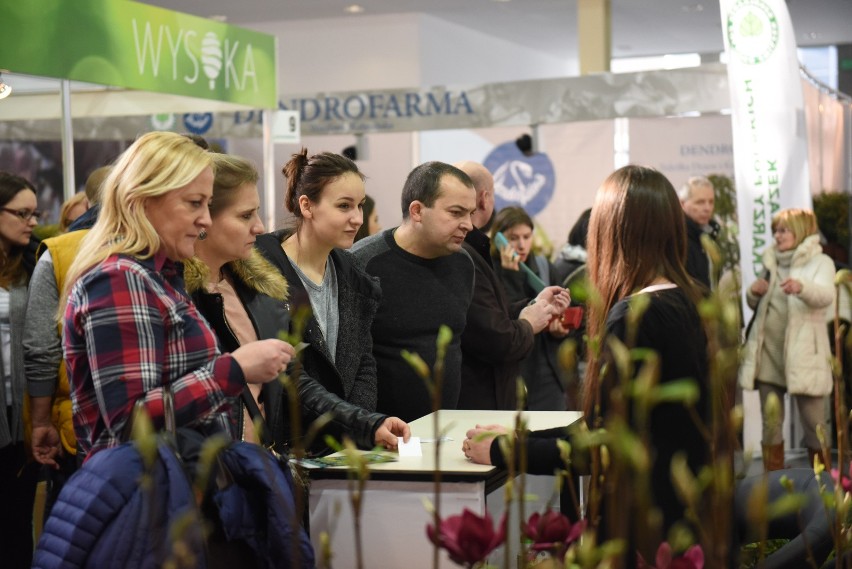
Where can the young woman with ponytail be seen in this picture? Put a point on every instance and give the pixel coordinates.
(330, 295)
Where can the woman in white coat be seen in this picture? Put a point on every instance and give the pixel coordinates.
(787, 348)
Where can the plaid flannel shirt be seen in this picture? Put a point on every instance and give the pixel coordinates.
(130, 330)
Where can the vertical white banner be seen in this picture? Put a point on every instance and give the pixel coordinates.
(769, 135)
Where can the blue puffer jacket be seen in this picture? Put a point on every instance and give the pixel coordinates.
(111, 513)
(259, 507)
(116, 513)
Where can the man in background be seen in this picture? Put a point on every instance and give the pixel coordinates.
(498, 336)
(697, 197)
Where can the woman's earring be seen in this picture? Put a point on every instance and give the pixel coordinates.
(202, 235)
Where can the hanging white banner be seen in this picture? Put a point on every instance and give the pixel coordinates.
(770, 148)
(768, 117)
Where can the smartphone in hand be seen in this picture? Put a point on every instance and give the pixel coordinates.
(501, 240)
(572, 318)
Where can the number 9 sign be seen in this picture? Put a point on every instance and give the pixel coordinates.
(286, 128)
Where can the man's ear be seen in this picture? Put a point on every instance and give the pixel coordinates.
(415, 210)
(305, 207)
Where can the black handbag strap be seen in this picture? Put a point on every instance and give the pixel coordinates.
(169, 421)
(256, 416)
(766, 275)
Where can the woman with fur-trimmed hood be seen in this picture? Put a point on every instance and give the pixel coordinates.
(244, 298)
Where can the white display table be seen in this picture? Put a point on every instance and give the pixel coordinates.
(394, 518)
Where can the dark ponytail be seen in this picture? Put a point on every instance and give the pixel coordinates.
(292, 173)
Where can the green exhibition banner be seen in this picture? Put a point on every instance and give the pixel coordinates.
(128, 44)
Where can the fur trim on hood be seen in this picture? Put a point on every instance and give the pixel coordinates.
(255, 272)
(572, 253)
(806, 250)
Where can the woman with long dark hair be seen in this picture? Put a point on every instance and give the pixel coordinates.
(637, 246)
(637, 254)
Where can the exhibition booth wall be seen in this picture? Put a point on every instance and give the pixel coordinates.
(582, 153)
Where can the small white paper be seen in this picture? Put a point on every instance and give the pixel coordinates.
(411, 448)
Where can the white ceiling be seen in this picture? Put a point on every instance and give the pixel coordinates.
(639, 27)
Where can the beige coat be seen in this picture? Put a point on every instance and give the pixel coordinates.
(806, 343)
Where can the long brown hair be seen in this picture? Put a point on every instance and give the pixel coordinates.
(637, 233)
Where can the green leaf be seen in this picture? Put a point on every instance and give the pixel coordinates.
(787, 504)
(417, 364)
(681, 391)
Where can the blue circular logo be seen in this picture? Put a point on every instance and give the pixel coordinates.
(525, 181)
(198, 123)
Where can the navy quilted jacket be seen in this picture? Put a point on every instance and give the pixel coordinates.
(110, 514)
(115, 513)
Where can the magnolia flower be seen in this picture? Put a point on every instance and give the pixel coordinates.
(552, 530)
(468, 538)
(847, 479)
(693, 558)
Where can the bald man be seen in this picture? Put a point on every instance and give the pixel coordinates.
(498, 336)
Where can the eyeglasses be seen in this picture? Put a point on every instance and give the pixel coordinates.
(23, 214)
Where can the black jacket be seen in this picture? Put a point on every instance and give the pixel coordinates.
(263, 290)
(697, 261)
(494, 341)
(263, 300)
(351, 376)
(542, 373)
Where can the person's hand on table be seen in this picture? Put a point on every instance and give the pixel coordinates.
(477, 445)
(389, 430)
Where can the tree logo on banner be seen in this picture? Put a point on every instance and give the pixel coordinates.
(211, 57)
(526, 181)
(752, 30)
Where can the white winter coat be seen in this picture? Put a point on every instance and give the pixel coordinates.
(806, 343)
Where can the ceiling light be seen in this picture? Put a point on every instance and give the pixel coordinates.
(354, 9)
(5, 89)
